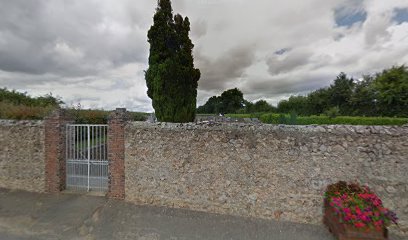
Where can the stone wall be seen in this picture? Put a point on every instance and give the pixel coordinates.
(267, 171)
(22, 155)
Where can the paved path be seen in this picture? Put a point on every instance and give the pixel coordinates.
(31, 216)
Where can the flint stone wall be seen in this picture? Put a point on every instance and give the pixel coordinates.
(22, 163)
(267, 171)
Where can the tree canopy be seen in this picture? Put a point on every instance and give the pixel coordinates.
(171, 78)
(383, 94)
(232, 101)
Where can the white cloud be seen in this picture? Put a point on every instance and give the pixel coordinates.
(95, 52)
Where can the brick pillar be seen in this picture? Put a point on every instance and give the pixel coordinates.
(116, 153)
(55, 131)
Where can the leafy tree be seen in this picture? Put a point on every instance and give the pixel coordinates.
(385, 94)
(213, 105)
(262, 106)
(364, 98)
(231, 101)
(392, 88)
(296, 104)
(332, 112)
(249, 107)
(318, 101)
(171, 78)
(341, 93)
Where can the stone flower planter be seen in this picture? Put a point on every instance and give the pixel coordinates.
(343, 231)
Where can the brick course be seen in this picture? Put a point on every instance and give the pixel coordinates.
(55, 172)
(116, 153)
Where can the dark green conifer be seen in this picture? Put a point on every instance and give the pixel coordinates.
(171, 79)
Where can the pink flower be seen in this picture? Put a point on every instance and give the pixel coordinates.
(358, 210)
(378, 223)
(346, 210)
(359, 224)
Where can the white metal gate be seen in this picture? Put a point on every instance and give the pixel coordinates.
(87, 157)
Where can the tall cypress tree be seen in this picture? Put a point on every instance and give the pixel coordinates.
(171, 79)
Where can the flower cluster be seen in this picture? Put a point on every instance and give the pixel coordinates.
(359, 206)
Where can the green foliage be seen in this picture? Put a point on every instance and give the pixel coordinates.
(385, 94)
(232, 101)
(392, 88)
(364, 99)
(259, 106)
(20, 106)
(292, 118)
(82, 116)
(88, 116)
(171, 79)
(325, 120)
(332, 112)
(294, 103)
(138, 116)
(213, 105)
(23, 112)
(340, 94)
(317, 102)
(17, 98)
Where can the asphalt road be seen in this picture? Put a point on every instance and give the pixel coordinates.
(35, 216)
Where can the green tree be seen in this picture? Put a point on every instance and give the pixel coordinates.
(263, 106)
(296, 104)
(332, 112)
(249, 107)
(340, 93)
(213, 105)
(392, 88)
(364, 98)
(231, 101)
(171, 78)
(318, 101)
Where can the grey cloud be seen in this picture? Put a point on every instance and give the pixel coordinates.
(98, 49)
(287, 62)
(21, 80)
(198, 28)
(66, 38)
(376, 28)
(287, 84)
(231, 65)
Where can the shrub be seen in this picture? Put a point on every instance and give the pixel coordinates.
(101, 116)
(325, 120)
(332, 112)
(23, 112)
(89, 116)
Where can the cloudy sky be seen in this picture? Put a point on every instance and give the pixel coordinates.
(94, 52)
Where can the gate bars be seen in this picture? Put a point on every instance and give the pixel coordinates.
(87, 157)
